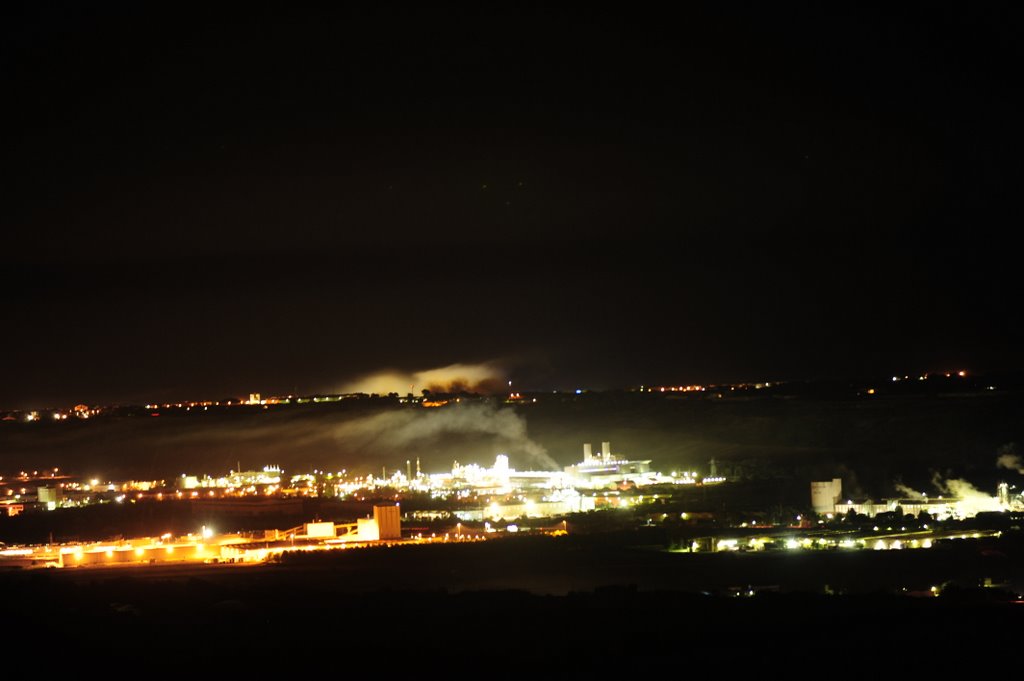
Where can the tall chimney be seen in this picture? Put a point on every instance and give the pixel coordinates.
(588, 455)
(606, 451)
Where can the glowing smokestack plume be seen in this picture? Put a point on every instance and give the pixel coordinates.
(1010, 461)
(909, 492)
(972, 500)
(401, 430)
(482, 378)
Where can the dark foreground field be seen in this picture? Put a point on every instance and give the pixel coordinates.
(563, 599)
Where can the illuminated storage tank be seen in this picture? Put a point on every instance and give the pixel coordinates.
(367, 529)
(389, 521)
(320, 530)
(825, 495)
(49, 495)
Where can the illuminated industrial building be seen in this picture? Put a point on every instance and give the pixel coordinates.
(940, 507)
(270, 475)
(825, 495)
(607, 469)
(206, 547)
(569, 501)
(503, 491)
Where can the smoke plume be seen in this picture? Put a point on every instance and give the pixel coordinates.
(909, 492)
(1009, 459)
(478, 378)
(359, 436)
(411, 431)
(972, 499)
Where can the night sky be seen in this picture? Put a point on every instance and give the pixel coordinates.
(204, 203)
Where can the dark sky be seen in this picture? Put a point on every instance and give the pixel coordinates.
(203, 203)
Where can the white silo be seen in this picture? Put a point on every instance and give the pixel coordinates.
(824, 495)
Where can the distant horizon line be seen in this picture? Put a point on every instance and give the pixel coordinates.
(657, 388)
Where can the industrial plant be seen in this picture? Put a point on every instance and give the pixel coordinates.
(827, 500)
(500, 491)
(207, 547)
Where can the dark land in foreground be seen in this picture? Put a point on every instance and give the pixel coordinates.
(541, 597)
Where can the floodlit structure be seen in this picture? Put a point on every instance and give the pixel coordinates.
(320, 530)
(386, 524)
(825, 495)
(940, 508)
(968, 502)
(389, 522)
(366, 530)
(499, 479)
(608, 469)
(270, 475)
(49, 495)
(558, 504)
(207, 547)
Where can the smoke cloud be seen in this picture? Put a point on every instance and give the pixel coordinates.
(410, 431)
(474, 433)
(479, 378)
(1009, 459)
(972, 499)
(909, 492)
